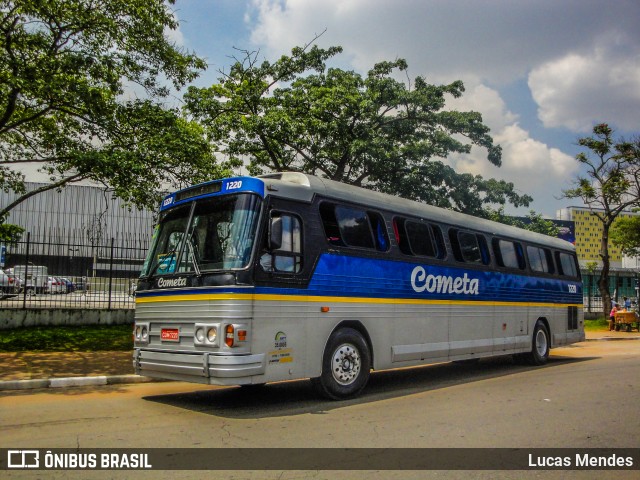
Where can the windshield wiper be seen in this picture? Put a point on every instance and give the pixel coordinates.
(170, 256)
(192, 251)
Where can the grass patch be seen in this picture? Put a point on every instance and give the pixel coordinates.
(67, 339)
(597, 324)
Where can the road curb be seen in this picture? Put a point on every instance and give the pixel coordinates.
(94, 381)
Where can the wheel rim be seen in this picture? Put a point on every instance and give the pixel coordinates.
(345, 364)
(541, 343)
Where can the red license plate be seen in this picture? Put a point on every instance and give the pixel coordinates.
(170, 335)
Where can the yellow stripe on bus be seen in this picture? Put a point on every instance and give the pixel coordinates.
(327, 299)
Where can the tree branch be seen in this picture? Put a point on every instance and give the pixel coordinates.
(60, 183)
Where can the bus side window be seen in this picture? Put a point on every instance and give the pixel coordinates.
(566, 265)
(439, 238)
(508, 254)
(330, 224)
(540, 259)
(379, 231)
(469, 247)
(401, 235)
(346, 226)
(420, 239)
(287, 255)
(354, 227)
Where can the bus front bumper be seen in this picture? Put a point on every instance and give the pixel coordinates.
(198, 367)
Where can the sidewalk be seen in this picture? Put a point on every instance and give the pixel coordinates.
(31, 365)
(28, 370)
(22, 370)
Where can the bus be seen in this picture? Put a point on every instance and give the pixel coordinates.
(251, 280)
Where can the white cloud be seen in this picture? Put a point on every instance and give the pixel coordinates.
(496, 40)
(533, 167)
(175, 36)
(488, 102)
(579, 90)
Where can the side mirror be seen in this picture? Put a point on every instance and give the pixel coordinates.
(275, 233)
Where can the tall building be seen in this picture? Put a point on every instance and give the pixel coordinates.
(78, 231)
(588, 235)
(78, 212)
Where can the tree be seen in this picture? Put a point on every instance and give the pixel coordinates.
(611, 186)
(533, 222)
(625, 234)
(373, 131)
(67, 69)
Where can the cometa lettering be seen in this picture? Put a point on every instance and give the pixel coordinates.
(172, 282)
(421, 282)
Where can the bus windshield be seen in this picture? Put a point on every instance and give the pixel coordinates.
(208, 234)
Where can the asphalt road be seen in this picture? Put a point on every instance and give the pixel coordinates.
(586, 396)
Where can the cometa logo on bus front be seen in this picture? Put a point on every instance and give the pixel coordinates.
(172, 282)
(422, 282)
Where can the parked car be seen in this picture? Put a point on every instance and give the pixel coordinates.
(9, 284)
(69, 286)
(55, 286)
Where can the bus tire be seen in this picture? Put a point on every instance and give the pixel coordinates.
(346, 365)
(540, 345)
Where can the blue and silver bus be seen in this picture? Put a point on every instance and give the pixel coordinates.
(251, 280)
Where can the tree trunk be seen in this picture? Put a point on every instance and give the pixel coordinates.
(603, 280)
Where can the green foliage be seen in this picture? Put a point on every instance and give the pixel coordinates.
(533, 222)
(625, 234)
(611, 185)
(591, 267)
(10, 233)
(68, 70)
(373, 131)
(67, 339)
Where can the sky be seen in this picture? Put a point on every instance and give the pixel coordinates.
(541, 73)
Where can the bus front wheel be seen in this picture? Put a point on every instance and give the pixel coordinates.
(540, 345)
(346, 365)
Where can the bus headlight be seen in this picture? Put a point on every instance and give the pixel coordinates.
(206, 335)
(141, 333)
(212, 334)
(200, 334)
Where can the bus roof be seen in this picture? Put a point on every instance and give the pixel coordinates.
(305, 187)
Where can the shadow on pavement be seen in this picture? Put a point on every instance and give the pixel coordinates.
(298, 397)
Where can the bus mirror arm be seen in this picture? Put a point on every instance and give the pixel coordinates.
(275, 233)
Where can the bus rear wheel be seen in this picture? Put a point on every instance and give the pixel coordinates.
(540, 345)
(346, 365)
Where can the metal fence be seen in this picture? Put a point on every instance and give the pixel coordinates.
(622, 283)
(62, 271)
